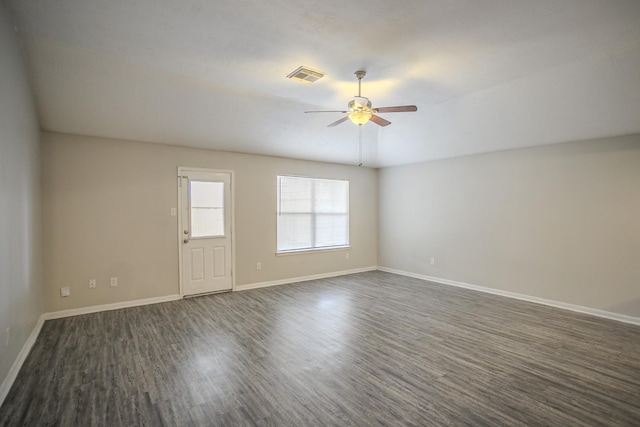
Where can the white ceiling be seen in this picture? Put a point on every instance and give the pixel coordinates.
(486, 75)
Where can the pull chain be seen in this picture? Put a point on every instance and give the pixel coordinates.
(360, 140)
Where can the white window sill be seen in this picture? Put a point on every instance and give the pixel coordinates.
(313, 250)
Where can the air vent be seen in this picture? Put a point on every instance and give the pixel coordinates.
(305, 75)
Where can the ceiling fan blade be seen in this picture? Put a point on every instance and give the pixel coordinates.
(379, 120)
(337, 122)
(326, 111)
(397, 109)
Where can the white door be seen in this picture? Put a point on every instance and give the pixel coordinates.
(205, 231)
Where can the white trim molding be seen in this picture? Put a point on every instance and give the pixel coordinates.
(108, 307)
(22, 356)
(558, 304)
(302, 279)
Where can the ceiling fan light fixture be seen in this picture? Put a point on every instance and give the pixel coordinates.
(360, 110)
(360, 117)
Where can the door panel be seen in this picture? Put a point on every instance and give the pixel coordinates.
(197, 263)
(218, 262)
(205, 224)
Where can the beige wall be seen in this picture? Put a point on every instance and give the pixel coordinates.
(106, 210)
(20, 261)
(559, 222)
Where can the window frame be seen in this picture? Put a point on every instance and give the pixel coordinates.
(314, 214)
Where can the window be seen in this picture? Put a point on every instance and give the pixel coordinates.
(313, 213)
(207, 209)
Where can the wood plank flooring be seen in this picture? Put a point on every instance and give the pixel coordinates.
(366, 349)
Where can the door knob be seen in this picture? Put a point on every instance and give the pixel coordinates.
(186, 231)
(186, 240)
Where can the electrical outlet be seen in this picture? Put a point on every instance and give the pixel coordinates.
(173, 212)
(259, 266)
(113, 282)
(8, 336)
(346, 256)
(65, 292)
(433, 261)
(92, 283)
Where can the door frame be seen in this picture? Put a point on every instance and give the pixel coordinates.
(181, 171)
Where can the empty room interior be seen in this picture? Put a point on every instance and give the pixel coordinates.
(333, 213)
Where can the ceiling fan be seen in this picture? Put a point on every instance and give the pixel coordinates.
(360, 110)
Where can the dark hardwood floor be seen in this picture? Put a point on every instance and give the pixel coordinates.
(361, 350)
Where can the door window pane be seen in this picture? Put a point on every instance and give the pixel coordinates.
(207, 208)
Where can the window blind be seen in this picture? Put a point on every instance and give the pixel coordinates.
(312, 213)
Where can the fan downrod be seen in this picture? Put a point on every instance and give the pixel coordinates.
(360, 75)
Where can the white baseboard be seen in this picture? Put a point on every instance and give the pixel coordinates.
(558, 304)
(108, 307)
(302, 279)
(22, 356)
